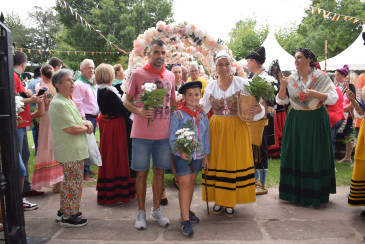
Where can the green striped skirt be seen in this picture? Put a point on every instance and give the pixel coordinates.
(307, 173)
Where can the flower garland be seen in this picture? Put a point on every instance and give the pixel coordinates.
(185, 43)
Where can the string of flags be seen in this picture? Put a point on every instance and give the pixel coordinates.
(87, 25)
(335, 16)
(29, 50)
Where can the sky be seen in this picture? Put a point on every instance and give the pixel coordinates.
(216, 17)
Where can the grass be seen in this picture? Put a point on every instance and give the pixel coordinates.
(343, 176)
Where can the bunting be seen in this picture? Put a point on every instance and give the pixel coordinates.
(29, 50)
(87, 25)
(335, 16)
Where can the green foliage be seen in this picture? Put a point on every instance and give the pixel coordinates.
(289, 38)
(120, 21)
(260, 88)
(245, 37)
(314, 29)
(40, 37)
(19, 32)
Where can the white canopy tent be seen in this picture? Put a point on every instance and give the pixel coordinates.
(275, 51)
(353, 56)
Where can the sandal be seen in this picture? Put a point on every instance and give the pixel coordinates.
(345, 160)
(217, 209)
(229, 212)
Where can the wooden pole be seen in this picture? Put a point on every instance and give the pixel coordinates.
(206, 189)
(325, 56)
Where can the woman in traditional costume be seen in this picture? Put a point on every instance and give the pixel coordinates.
(114, 181)
(357, 190)
(307, 173)
(230, 178)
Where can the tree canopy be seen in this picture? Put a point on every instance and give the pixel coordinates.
(315, 29)
(245, 37)
(120, 21)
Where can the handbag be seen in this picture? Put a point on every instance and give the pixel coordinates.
(94, 153)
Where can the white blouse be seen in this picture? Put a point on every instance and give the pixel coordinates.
(238, 84)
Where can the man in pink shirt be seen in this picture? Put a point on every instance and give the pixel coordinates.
(84, 97)
(147, 140)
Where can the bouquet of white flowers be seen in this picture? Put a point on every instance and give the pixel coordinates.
(185, 141)
(18, 106)
(152, 98)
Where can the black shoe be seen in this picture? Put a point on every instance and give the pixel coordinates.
(60, 214)
(187, 228)
(362, 214)
(193, 218)
(73, 221)
(217, 209)
(164, 202)
(229, 212)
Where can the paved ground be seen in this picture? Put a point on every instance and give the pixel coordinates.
(268, 220)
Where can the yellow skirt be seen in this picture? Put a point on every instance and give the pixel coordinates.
(231, 175)
(357, 189)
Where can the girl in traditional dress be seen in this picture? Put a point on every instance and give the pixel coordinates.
(357, 190)
(114, 181)
(307, 172)
(231, 174)
(47, 171)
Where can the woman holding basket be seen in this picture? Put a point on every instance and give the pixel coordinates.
(230, 178)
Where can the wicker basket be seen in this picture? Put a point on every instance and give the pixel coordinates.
(243, 104)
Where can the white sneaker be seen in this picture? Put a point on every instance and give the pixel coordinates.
(158, 216)
(141, 220)
(28, 206)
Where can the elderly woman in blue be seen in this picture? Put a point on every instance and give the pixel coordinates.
(184, 114)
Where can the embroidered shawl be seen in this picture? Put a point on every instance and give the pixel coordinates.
(320, 82)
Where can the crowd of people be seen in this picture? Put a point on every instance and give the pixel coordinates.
(307, 113)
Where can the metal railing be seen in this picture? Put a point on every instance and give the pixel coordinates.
(10, 181)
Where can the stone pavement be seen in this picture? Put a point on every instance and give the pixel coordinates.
(268, 220)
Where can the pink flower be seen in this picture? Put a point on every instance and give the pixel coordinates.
(302, 96)
(314, 79)
(295, 85)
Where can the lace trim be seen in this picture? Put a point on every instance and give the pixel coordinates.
(236, 85)
(110, 88)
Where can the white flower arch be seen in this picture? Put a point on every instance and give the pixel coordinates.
(185, 43)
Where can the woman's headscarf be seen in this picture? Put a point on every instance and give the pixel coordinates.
(221, 54)
(309, 54)
(344, 70)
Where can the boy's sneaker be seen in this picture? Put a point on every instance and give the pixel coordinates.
(193, 218)
(27, 206)
(187, 228)
(60, 214)
(158, 216)
(73, 221)
(141, 220)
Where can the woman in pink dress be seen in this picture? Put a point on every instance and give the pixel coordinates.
(47, 171)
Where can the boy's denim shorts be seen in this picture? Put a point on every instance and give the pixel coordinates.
(142, 150)
(182, 167)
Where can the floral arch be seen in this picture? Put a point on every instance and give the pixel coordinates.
(184, 43)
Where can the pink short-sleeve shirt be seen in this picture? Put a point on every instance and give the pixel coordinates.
(161, 120)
